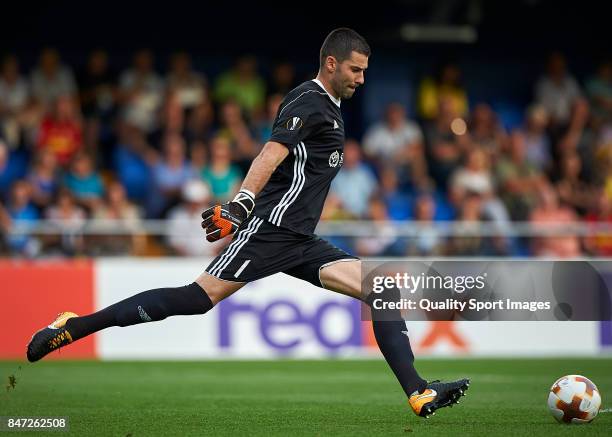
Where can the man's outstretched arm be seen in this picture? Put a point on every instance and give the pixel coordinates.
(263, 166)
(220, 221)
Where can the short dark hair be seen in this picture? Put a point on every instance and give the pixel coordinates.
(340, 43)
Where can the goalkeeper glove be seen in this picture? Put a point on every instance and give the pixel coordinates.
(219, 221)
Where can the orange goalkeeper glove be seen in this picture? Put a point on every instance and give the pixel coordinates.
(219, 221)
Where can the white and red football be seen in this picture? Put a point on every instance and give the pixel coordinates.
(574, 399)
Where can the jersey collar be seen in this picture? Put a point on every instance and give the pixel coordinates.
(333, 99)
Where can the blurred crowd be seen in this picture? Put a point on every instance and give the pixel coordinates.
(124, 146)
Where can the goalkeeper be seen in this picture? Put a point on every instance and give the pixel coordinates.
(272, 220)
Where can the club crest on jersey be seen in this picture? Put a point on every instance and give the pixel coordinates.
(294, 123)
(336, 159)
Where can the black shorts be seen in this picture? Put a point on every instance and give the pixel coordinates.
(259, 249)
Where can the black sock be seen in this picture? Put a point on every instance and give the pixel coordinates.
(393, 341)
(148, 306)
(392, 338)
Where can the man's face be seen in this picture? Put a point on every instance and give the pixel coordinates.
(395, 115)
(349, 74)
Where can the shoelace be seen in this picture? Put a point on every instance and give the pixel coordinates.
(56, 341)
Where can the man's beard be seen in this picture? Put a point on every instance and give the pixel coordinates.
(348, 93)
(339, 90)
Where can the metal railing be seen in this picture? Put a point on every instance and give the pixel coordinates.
(347, 228)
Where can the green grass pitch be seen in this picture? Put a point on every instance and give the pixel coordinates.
(294, 398)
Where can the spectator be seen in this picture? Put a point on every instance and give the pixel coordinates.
(396, 139)
(445, 143)
(603, 169)
(170, 173)
(577, 134)
(235, 129)
(445, 86)
(600, 244)
(188, 85)
(5, 228)
(283, 78)
(333, 209)
(130, 162)
(354, 184)
(141, 92)
(200, 123)
(185, 235)
(6, 176)
(84, 182)
(264, 125)
(118, 207)
(475, 178)
(125, 216)
(198, 157)
(485, 131)
(97, 85)
(557, 90)
(98, 93)
(572, 190)
(61, 132)
(579, 137)
(172, 121)
(223, 177)
(599, 91)
(386, 241)
(243, 85)
(428, 241)
(14, 89)
(537, 142)
(550, 212)
(397, 202)
(14, 101)
(518, 180)
(52, 80)
(21, 209)
(43, 178)
(469, 242)
(69, 219)
(12, 168)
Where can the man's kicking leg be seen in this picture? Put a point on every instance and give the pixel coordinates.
(392, 338)
(149, 306)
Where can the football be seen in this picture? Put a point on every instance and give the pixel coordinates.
(574, 399)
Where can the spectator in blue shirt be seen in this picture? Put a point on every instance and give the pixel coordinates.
(12, 167)
(221, 175)
(130, 162)
(20, 208)
(43, 178)
(355, 183)
(398, 203)
(170, 173)
(84, 182)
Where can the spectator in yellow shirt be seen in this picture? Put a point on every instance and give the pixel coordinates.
(446, 85)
